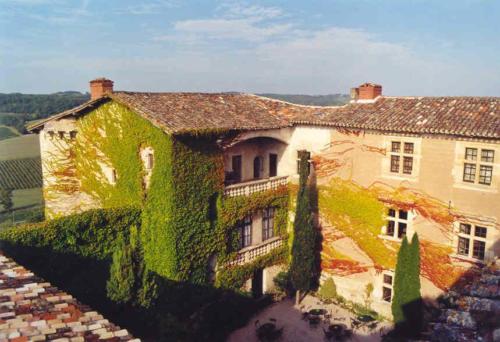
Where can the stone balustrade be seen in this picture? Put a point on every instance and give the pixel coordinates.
(250, 253)
(248, 188)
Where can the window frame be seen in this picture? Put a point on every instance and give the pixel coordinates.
(268, 215)
(245, 231)
(467, 240)
(402, 154)
(386, 286)
(395, 223)
(478, 165)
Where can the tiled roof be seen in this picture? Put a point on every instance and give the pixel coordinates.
(34, 310)
(462, 116)
(184, 112)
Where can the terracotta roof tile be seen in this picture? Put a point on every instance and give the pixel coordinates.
(178, 113)
(31, 309)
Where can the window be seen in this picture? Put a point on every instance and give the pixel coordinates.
(113, 176)
(402, 157)
(268, 223)
(469, 244)
(51, 134)
(149, 161)
(397, 223)
(72, 134)
(387, 288)
(61, 134)
(245, 228)
(472, 164)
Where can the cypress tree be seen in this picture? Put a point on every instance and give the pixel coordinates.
(406, 302)
(304, 240)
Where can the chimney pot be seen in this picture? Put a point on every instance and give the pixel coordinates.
(100, 87)
(369, 91)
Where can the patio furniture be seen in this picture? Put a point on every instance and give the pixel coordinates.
(268, 332)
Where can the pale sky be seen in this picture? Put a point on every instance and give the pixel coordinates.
(411, 47)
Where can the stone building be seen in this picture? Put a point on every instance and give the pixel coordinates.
(384, 167)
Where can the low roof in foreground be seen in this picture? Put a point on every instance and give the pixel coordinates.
(32, 309)
(178, 113)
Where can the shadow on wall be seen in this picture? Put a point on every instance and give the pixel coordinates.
(468, 311)
(182, 311)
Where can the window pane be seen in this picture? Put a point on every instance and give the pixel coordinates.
(471, 153)
(465, 228)
(403, 214)
(463, 246)
(390, 228)
(408, 148)
(401, 229)
(469, 173)
(392, 213)
(386, 294)
(487, 156)
(268, 224)
(387, 279)
(395, 164)
(480, 232)
(478, 249)
(407, 165)
(485, 174)
(396, 146)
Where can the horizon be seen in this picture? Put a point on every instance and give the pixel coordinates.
(417, 48)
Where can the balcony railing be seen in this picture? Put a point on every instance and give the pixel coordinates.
(247, 188)
(251, 253)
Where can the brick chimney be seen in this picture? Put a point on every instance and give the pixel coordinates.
(100, 87)
(366, 92)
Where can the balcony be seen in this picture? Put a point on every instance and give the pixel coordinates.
(250, 253)
(248, 188)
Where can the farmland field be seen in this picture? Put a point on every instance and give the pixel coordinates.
(23, 173)
(7, 132)
(24, 146)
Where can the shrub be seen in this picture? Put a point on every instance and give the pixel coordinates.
(328, 291)
(283, 284)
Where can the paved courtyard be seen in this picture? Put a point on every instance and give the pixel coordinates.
(296, 329)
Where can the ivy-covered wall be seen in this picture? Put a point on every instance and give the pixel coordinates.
(185, 218)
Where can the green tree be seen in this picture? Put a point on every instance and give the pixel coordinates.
(302, 267)
(407, 302)
(6, 198)
(126, 269)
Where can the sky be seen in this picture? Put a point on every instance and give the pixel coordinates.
(410, 47)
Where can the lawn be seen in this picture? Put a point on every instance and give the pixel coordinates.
(25, 146)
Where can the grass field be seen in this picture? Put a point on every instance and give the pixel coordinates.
(8, 132)
(25, 146)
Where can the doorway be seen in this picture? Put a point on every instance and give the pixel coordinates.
(257, 283)
(236, 165)
(257, 167)
(273, 165)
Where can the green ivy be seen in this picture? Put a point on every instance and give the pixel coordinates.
(235, 277)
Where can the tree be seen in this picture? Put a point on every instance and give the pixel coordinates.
(407, 302)
(302, 266)
(6, 198)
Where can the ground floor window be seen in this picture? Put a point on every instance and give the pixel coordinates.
(471, 241)
(387, 287)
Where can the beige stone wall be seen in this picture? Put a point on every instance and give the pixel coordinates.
(61, 187)
(438, 200)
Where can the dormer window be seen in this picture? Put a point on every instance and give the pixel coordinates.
(61, 134)
(51, 134)
(72, 135)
